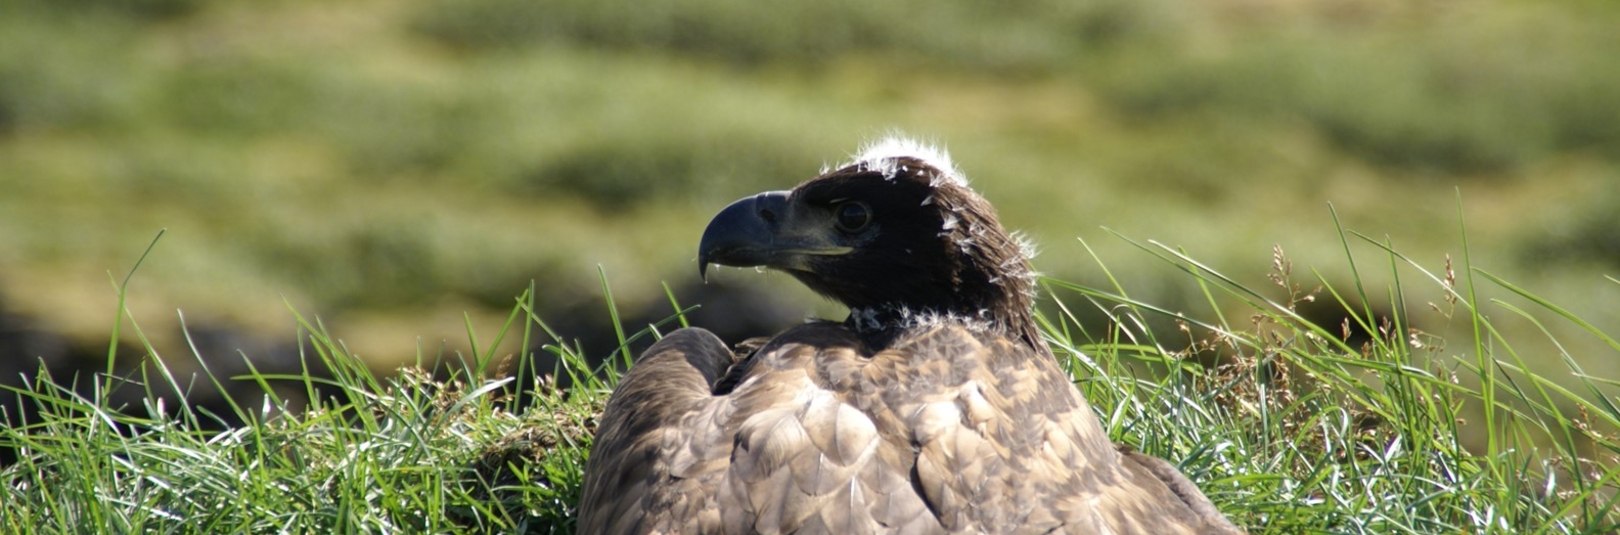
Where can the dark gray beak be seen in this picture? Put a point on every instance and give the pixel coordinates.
(745, 233)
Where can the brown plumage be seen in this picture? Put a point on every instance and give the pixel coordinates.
(934, 408)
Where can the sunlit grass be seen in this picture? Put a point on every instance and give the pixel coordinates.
(1294, 429)
(402, 453)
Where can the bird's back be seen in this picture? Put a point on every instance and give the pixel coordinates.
(948, 430)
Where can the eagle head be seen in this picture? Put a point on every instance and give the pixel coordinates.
(896, 235)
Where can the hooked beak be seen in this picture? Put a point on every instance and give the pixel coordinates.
(761, 231)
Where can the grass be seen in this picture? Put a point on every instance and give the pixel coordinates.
(407, 453)
(1290, 426)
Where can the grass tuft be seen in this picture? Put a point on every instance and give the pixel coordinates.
(1292, 429)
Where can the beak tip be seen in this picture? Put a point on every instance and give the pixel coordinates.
(741, 233)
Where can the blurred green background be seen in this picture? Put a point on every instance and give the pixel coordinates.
(390, 165)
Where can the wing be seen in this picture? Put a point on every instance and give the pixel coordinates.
(655, 433)
(1215, 523)
(1006, 444)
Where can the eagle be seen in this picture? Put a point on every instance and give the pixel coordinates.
(935, 407)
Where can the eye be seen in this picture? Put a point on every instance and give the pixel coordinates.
(852, 216)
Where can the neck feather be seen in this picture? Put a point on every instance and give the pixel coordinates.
(1012, 316)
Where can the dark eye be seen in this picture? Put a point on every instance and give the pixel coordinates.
(851, 216)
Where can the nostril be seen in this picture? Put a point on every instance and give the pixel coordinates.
(767, 215)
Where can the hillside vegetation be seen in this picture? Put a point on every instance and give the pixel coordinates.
(379, 160)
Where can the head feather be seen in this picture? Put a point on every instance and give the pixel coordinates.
(884, 156)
